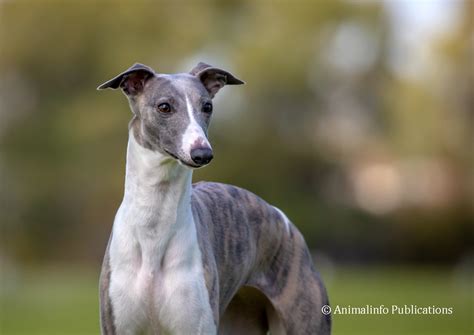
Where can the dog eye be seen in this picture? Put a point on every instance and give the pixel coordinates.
(207, 108)
(164, 107)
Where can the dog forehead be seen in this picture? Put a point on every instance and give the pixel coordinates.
(178, 85)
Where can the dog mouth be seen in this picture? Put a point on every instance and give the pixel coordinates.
(193, 166)
(180, 161)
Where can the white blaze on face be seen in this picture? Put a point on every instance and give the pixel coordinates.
(193, 133)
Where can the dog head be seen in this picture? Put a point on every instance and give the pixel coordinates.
(172, 112)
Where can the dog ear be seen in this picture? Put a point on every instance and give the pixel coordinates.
(130, 81)
(213, 78)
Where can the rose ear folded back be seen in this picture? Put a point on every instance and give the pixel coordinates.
(131, 81)
(214, 78)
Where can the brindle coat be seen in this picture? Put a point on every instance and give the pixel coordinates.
(244, 243)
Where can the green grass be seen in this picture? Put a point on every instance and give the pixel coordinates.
(62, 301)
(50, 301)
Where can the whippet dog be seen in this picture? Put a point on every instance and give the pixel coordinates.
(203, 258)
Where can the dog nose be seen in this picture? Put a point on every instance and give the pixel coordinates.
(201, 156)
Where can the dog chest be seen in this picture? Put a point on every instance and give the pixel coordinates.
(156, 276)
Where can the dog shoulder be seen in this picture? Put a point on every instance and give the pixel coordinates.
(221, 193)
(229, 203)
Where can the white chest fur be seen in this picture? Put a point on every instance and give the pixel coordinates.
(157, 280)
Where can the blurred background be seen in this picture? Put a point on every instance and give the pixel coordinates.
(355, 120)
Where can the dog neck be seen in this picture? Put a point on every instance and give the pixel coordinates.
(157, 186)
